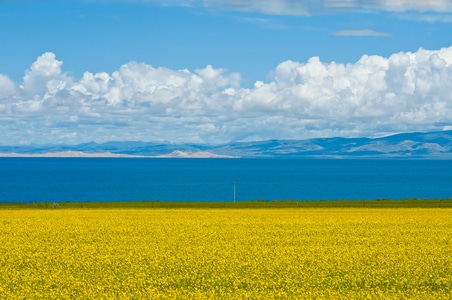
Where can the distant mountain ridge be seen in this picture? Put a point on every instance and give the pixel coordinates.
(405, 145)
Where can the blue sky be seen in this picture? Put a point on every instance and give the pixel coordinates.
(220, 71)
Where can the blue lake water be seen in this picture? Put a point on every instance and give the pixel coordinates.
(118, 179)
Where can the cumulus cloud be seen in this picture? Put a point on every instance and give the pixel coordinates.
(46, 70)
(407, 91)
(8, 87)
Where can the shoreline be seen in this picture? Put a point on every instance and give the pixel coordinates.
(257, 204)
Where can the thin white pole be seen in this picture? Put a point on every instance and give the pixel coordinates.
(234, 191)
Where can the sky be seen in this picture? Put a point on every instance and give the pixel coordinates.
(213, 72)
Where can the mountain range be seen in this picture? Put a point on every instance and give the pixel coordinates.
(420, 145)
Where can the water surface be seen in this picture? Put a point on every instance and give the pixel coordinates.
(127, 179)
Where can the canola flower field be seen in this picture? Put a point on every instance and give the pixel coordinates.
(308, 253)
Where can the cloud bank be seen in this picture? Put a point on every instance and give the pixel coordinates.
(374, 96)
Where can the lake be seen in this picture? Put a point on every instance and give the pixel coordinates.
(132, 179)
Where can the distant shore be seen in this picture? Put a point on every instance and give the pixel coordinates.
(276, 204)
(75, 154)
(67, 154)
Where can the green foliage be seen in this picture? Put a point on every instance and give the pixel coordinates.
(378, 203)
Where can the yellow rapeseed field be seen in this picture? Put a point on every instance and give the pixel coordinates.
(332, 253)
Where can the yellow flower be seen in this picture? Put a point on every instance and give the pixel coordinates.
(226, 253)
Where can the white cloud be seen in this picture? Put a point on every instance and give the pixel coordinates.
(44, 70)
(430, 17)
(360, 32)
(307, 7)
(417, 5)
(407, 91)
(7, 87)
(280, 7)
(303, 7)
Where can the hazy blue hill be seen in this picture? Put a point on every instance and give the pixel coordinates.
(410, 145)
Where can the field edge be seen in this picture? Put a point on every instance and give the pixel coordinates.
(378, 203)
